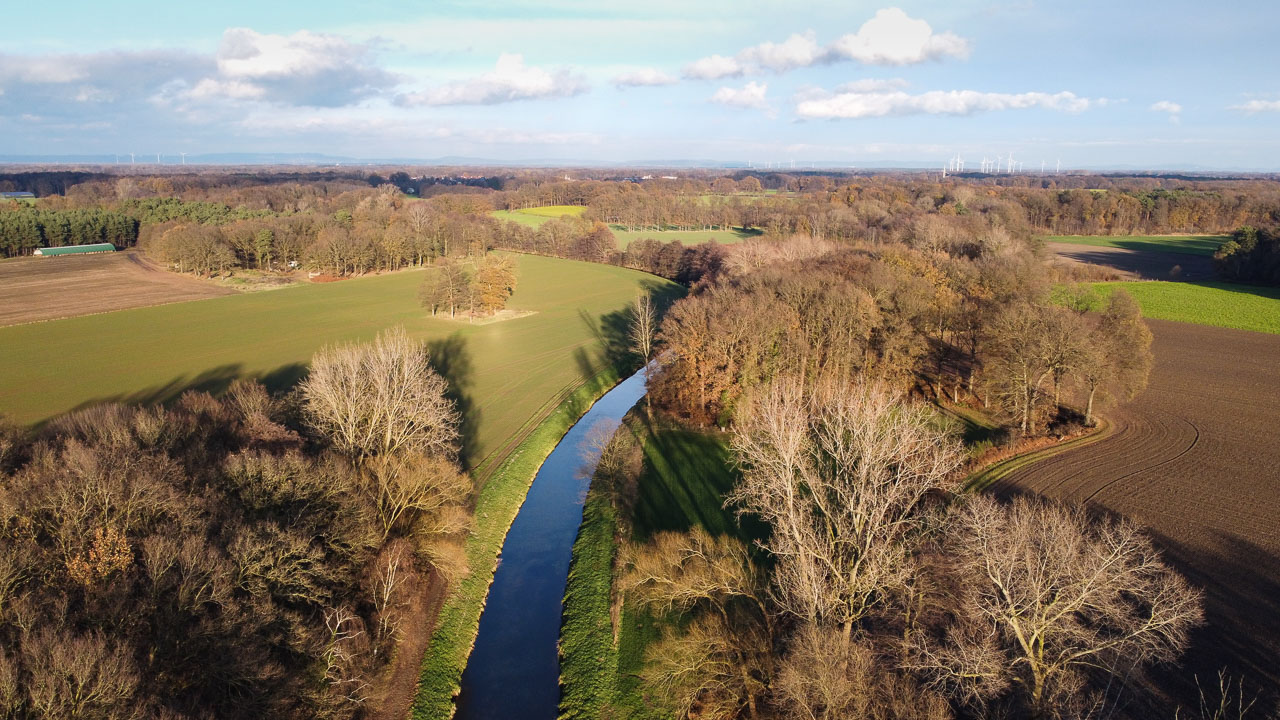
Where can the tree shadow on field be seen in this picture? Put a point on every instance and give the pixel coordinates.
(611, 333)
(214, 381)
(452, 359)
(1240, 635)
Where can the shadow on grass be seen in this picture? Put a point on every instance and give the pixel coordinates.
(213, 381)
(452, 359)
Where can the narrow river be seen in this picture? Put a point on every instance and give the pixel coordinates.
(514, 671)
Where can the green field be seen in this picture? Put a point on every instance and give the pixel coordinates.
(1185, 244)
(688, 237)
(535, 216)
(1243, 307)
(504, 373)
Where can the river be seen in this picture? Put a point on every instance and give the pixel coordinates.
(514, 670)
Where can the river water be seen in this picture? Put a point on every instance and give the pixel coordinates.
(514, 670)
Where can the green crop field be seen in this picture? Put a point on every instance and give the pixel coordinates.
(688, 237)
(504, 372)
(1243, 307)
(535, 217)
(1185, 244)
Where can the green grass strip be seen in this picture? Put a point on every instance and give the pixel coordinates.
(1229, 305)
(588, 656)
(1184, 244)
(496, 507)
(990, 475)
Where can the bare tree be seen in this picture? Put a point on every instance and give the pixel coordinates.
(677, 571)
(643, 328)
(711, 669)
(79, 677)
(380, 398)
(1052, 595)
(425, 492)
(840, 472)
(1027, 346)
(1119, 358)
(822, 678)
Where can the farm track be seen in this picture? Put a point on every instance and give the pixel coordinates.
(1196, 458)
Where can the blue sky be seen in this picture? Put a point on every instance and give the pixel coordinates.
(1093, 83)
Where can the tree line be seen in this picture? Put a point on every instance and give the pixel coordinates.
(249, 556)
(1251, 255)
(24, 228)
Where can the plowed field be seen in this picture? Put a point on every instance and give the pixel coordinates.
(1196, 458)
(36, 288)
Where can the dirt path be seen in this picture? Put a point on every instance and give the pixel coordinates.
(1138, 264)
(400, 684)
(1196, 458)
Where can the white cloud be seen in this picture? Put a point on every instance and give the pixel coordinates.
(890, 38)
(713, 68)
(1173, 109)
(894, 38)
(799, 50)
(305, 68)
(643, 77)
(510, 80)
(1257, 106)
(851, 105)
(751, 96)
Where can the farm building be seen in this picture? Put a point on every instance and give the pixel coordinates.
(17, 196)
(76, 250)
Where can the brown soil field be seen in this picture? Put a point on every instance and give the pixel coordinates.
(1138, 264)
(1196, 458)
(34, 288)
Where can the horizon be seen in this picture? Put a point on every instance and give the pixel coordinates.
(911, 84)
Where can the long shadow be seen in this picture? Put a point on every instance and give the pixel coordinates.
(1145, 264)
(452, 359)
(1239, 637)
(214, 381)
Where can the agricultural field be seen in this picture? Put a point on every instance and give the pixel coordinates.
(1227, 305)
(534, 217)
(1184, 244)
(504, 372)
(34, 288)
(1194, 458)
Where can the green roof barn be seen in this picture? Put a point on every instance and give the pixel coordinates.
(76, 249)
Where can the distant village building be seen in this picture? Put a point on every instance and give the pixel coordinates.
(17, 196)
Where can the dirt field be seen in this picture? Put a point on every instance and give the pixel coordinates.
(1196, 458)
(33, 289)
(1137, 264)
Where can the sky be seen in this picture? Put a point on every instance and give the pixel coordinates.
(1088, 83)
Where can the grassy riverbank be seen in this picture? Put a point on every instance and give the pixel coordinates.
(684, 478)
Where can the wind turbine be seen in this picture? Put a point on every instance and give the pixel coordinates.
(157, 158)
(131, 160)
(184, 158)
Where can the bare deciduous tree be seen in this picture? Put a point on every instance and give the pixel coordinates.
(840, 472)
(1056, 594)
(79, 677)
(822, 678)
(711, 669)
(381, 398)
(424, 491)
(1027, 346)
(643, 328)
(1119, 355)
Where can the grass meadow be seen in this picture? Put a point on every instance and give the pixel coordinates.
(503, 373)
(534, 217)
(1185, 244)
(1229, 305)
